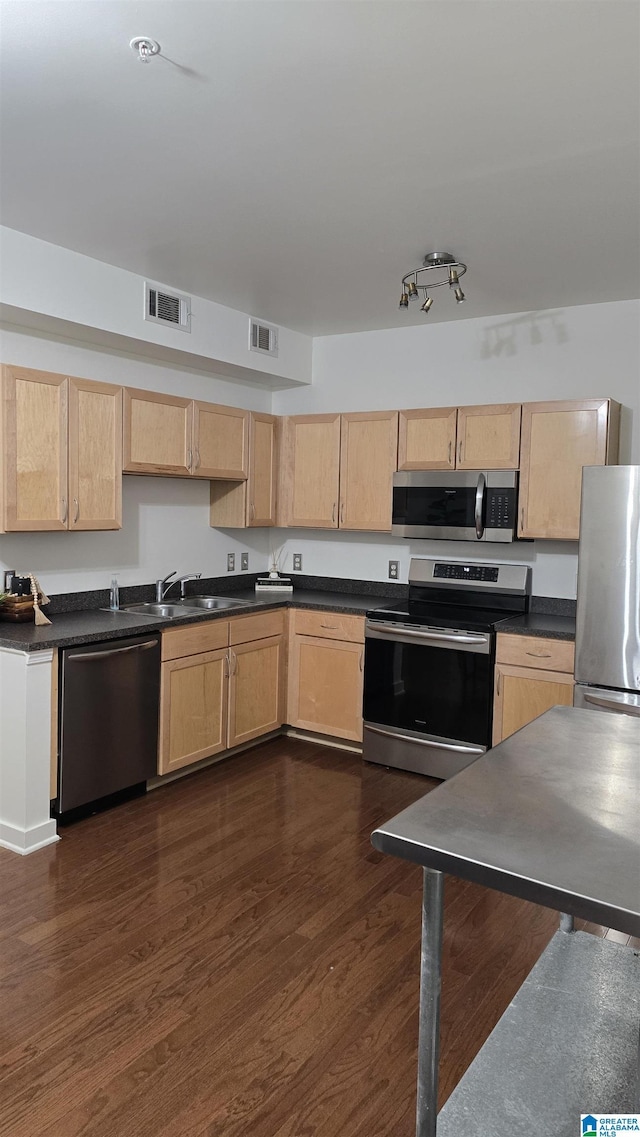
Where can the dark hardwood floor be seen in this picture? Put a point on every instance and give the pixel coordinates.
(230, 956)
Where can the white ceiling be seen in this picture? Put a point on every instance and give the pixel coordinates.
(294, 158)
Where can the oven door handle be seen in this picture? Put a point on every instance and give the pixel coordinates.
(393, 629)
(427, 742)
(481, 488)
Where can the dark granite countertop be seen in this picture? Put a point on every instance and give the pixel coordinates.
(68, 629)
(76, 618)
(543, 624)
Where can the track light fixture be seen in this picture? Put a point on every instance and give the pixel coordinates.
(420, 280)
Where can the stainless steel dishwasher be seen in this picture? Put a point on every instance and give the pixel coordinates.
(109, 703)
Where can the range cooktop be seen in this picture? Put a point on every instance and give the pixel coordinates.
(441, 616)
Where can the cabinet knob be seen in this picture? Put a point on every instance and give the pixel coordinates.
(76, 513)
(450, 448)
(540, 654)
(64, 511)
(333, 513)
(460, 450)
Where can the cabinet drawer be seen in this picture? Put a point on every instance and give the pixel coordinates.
(328, 625)
(243, 629)
(532, 651)
(209, 636)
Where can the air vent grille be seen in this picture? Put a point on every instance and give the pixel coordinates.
(167, 308)
(263, 338)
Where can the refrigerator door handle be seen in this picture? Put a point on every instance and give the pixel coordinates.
(620, 704)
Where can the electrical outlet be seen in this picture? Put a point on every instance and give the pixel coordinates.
(231, 562)
(393, 570)
(297, 562)
(244, 562)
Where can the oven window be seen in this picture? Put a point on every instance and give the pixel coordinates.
(430, 505)
(428, 689)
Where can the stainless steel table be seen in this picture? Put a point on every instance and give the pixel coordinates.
(551, 815)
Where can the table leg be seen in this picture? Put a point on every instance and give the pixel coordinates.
(566, 922)
(429, 1027)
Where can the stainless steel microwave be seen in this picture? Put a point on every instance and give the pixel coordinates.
(456, 505)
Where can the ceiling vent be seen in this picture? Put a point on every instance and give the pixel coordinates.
(169, 308)
(263, 338)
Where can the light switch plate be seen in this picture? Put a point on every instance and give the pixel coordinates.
(244, 562)
(231, 562)
(297, 562)
(393, 570)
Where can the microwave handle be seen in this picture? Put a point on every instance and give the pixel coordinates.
(480, 494)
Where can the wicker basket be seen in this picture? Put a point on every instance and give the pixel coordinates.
(16, 608)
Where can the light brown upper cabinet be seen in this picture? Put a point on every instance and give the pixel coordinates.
(337, 470)
(95, 455)
(427, 439)
(165, 434)
(368, 457)
(252, 503)
(157, 433)
(310, 475)
(488, 438)
(558, 439)
(61, 452)
(460, 438)
(220, 441)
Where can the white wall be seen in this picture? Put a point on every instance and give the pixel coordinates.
(574, 353)
(165, 520)
(60, 285)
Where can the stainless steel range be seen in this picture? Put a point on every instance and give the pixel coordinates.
(429, 665)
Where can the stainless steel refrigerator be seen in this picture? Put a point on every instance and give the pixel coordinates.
(607, 670)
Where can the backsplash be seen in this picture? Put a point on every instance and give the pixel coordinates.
(212, 585)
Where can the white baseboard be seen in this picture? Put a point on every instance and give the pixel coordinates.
(25, 841)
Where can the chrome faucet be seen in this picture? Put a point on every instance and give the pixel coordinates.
(162, 587)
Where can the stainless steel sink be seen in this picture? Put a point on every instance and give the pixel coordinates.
(163, 611)
(212, 602)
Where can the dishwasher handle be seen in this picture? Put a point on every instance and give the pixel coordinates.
(87, 656)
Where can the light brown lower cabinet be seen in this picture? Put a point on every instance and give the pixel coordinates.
(526, 682)
(212, 700)
(193, 709)
(326, 661)
(256, 689)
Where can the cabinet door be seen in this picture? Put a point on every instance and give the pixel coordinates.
(95, 455)
(255, 689)
(34, 444)
(157, 433)
(193, 709)
(325, 686)
(523, 693)
(558, 439)
(427, 439)
(263, 469)
(368, 456)
(489, 437)
(220, 441)
(311, 471)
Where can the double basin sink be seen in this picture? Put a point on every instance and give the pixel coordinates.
(173, 611)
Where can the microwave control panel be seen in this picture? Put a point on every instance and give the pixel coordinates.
(501, 508)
